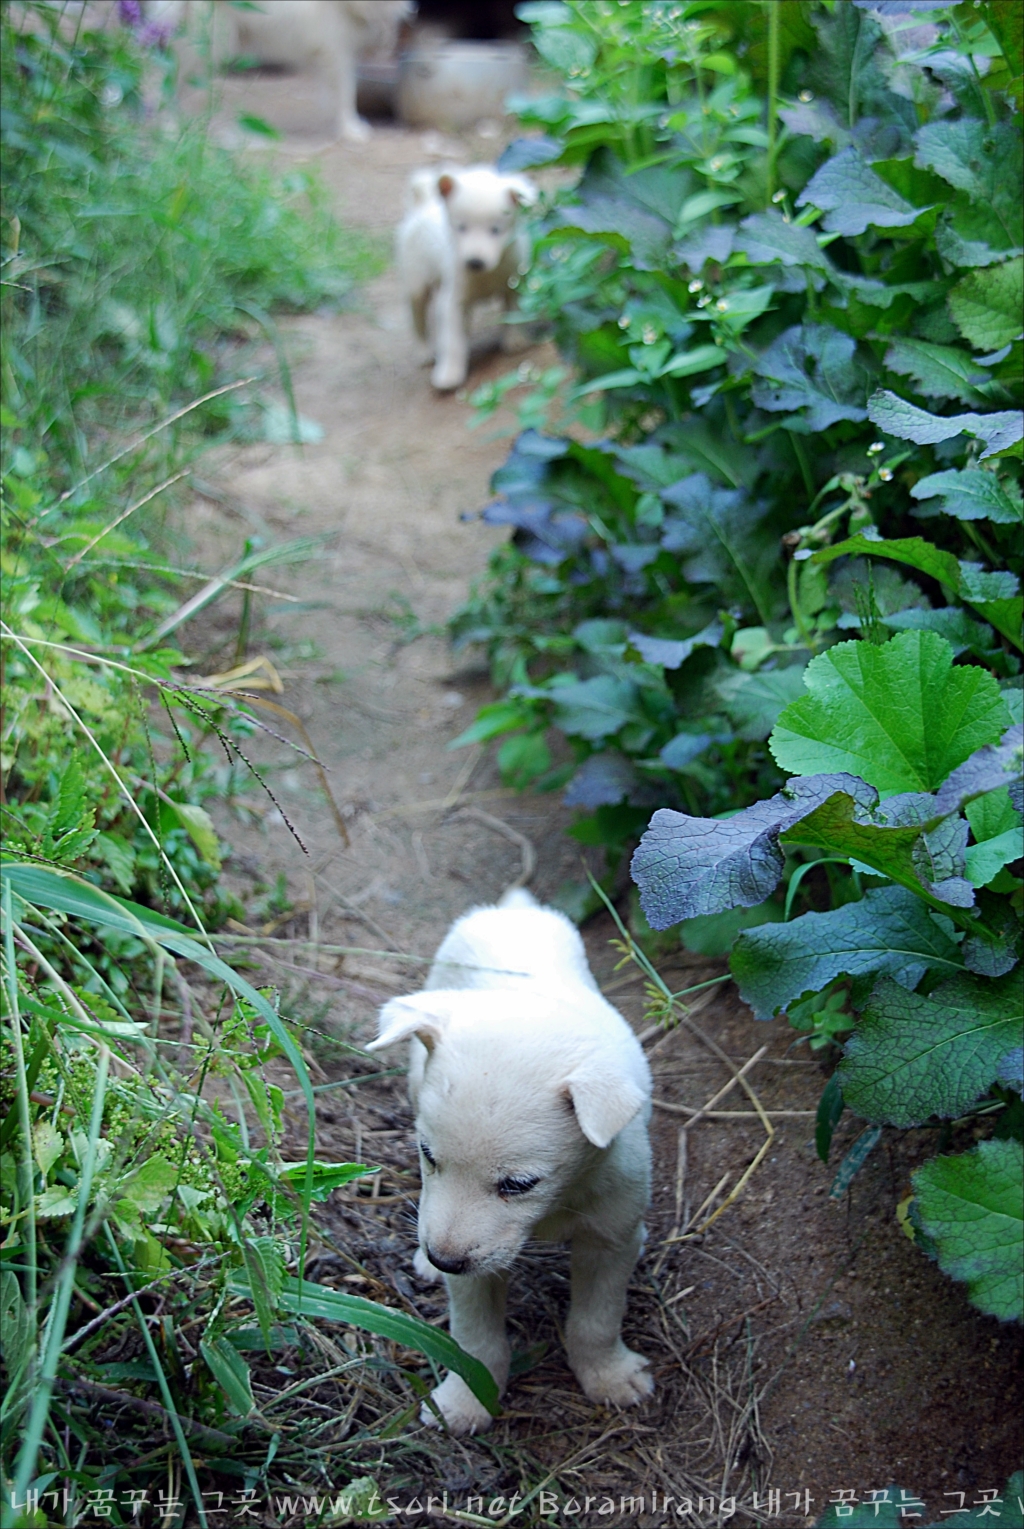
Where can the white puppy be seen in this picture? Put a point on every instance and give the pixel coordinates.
(327, 37)
(532, 1096)
(458, 245)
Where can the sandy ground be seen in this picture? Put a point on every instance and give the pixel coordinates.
(800, 1345)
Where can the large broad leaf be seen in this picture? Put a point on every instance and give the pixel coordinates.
(766, 237)
(595, 708)
(899, 716)
(969, 234)
(307, 1299)
(986, 304)
(981, 159)
(719, 533)
(994, 766)
(912, 1057)
(672, 653)
(811, 367)
(970, 1207)
(999, 836)
(854, 197)
(939, 371)
(687, 867)
(890, 931)
(973, 494)
(753, 702)
(900, 840)
(996, 596)
(907, 422)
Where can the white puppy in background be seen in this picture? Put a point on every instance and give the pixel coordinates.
(532, 1096)
(326, 37)
(456, 246)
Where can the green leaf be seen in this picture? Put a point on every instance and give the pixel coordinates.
(996, 825)
(753, 702)
(909, 423)
(767, 237)
(899, 716)
(940, 371)
(830, 1109)
(326, 1176)
(996, 596)
(979, 158)
(231, 1373)
(970, 1208)
(986, 304)
(912, 1057)
(890, 931)
(854, 1161)
(149, 1186)
(811, 367)
(854, 197)
(721, 535)
(493, 720)
(304, 1298)
(899, 850)
(565, 49)
(973, 494)
(595, 708)
(199, 826)
(264, 1264)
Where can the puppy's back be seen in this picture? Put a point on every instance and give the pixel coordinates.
(514, 945)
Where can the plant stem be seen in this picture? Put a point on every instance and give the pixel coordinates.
(24, 1115)
(773, 89)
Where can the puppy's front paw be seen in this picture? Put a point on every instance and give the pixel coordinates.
(620, 1380)
(447, 378)
(355, 130)
(459, 1408)
(424, 1269)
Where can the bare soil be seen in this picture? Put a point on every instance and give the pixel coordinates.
(800, 1344)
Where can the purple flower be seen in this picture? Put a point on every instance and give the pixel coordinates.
(129, 13)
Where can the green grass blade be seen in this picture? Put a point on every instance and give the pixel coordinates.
(53, 1337)
(311, 1300)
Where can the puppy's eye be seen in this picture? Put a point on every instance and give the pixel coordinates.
(428, 1154)
(515, 1184)
(495, 230)
(462, 228)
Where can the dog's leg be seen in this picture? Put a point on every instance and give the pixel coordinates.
(606, 1369)
(350, 126)
(419, 304)
(477, 1323)
(451, 339)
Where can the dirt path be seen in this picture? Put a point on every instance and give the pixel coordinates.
(797, 1343)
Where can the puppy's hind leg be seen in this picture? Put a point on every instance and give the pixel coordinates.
(419, 305)
(606, 1369)
(477, 1323)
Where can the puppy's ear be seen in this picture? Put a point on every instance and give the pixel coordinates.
(521, 192)
(603, 1099)
(446, 185)
(402, 1018)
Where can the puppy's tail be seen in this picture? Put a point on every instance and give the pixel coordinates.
(517, 897)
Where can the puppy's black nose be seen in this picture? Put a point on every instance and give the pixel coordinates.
(448, 1265)
(473, 265)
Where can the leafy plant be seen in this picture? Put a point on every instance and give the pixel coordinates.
(112, 1151)
(780, 597)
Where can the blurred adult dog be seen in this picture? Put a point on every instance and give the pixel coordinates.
(327, 37)
(532, 1096)
(458, 245)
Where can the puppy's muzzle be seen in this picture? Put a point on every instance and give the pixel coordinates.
(448, 1265)
(474, 263)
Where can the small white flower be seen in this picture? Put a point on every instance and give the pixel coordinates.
(875, 448)
(885, 473)
(805, 96)
(696, 285)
